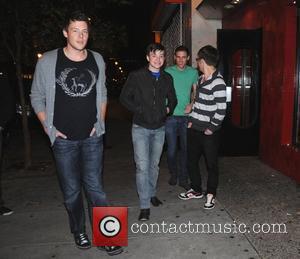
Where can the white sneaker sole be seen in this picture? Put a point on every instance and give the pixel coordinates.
(209, 207)
(7, 213)
(188, 198)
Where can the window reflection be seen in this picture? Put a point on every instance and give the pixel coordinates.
(243, 90)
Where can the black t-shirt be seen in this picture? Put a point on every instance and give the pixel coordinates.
(75, 109)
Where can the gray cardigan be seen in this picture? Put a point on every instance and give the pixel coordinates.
(43, 91)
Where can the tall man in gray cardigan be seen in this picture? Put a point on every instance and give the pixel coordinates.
(69, 97)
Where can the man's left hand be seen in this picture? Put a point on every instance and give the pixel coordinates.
(208, 132)
(92, 132)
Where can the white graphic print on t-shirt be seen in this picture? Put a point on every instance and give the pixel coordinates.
(76, 86)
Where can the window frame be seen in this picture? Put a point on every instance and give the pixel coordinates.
(296, 126)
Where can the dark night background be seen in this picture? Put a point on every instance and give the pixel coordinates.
(121, 30)
(138, 21)
(135, 16)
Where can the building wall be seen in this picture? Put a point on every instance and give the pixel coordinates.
(278, 22)
(203, 31)
(171, 37)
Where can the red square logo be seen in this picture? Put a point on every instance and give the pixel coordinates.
(110, 226)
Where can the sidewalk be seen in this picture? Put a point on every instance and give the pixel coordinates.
(249, 193)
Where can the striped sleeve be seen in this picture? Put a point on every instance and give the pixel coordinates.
(219, 93)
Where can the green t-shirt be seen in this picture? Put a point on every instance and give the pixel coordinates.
(183, 82)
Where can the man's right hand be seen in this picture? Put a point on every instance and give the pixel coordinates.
(60, 135)
(188, 108)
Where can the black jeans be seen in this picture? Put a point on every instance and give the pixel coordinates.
(199, 144)
(1, 157)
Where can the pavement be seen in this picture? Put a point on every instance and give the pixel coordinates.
(256, 215)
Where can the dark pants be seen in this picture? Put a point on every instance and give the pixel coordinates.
(1, 158)
(79, 164)
(176, 126)
(200, 144)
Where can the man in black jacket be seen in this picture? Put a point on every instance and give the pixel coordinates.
(149, 93)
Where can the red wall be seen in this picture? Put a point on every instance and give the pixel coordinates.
(278, 21)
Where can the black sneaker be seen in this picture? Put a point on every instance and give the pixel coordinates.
(144, 214)
(190, 194)
(111, 250)
(82, 241)
(155, 201)
(5, 211)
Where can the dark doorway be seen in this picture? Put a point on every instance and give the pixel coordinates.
(240, 52)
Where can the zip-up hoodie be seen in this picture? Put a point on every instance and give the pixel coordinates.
(148, 97)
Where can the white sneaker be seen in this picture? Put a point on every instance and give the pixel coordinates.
(190, 194)
(210, 202)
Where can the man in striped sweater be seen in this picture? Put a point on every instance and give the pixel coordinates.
(204, 125)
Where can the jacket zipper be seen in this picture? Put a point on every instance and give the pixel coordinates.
(154, 91)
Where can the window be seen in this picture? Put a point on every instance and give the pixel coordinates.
(244, 93)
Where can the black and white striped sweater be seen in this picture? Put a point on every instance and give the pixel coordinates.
(209, 108)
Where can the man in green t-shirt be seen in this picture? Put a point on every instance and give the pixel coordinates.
(185, 80)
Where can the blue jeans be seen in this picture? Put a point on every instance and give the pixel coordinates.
(147, 145)
(176, 126)
(79, 164)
